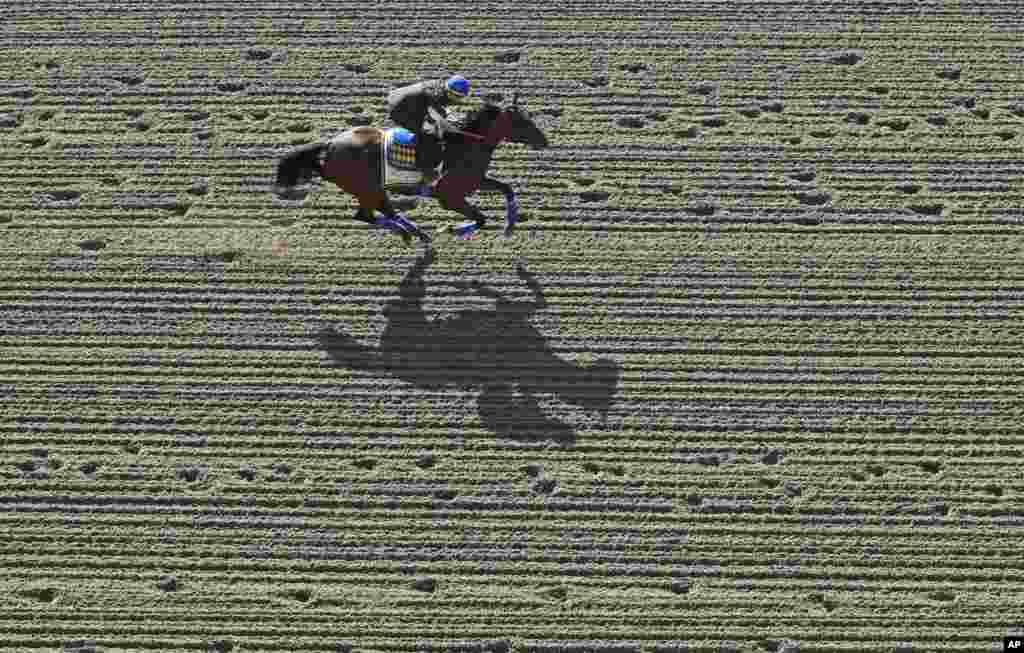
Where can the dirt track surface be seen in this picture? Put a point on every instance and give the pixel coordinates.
(756, 385)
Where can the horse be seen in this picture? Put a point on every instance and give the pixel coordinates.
(352, 160)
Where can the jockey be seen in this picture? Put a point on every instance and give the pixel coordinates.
(420, 108)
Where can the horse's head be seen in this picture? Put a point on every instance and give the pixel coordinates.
(523, 129)
(512, 123)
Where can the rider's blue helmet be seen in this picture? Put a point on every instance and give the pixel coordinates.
(458, 87)
(403, 136)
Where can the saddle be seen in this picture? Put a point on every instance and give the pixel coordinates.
(398, 164)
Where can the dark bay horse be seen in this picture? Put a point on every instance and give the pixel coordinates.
(352, 160)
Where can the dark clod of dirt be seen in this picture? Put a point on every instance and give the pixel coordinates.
(426, 460)
(557, 593)
(895, 124)
(258, 54)
(951, 73)
(680, 586)
(858, 118)
(701, 208)
(199, 187)
(365, 463)
(634, 67)
(130, 80)
(533, 470)
(593, 468)
(982, 112)
(247, 472)
(220, 646)
(994, 490)
(282, 470)
(594, 195)
(694, 500)
(814, 198)
(689, 132)
(63, 195)
(809, 220)
(904, 647)
(1006, 135)
(822, 133)
(713, 123)
(927, 209)
(772, 458)
(930, 466)
(634, 122)
(35, 141)
(938, 121)
(508, 56)
(88, 468)
(879, 89)
(792, 488)
(846, 59)
(596, 81)
(23, 93)
(446, 494)
(425, 584)
(360, 68)
(26, 467)
(167, 584)
(943, 596)
(966, 101)
(43, 595)
(80, 646)
(749, 112)
(300, 595)
(775, 106)
(196, 116)
(545, 486)
(9, 121)
(657, 116)
(191, 473)
(909, 189)
(358, 120)
(701, 88)
(230, 86)
(803, 175)
(1017, 110)
(92, 245)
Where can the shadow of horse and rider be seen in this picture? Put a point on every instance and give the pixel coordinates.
(497, 351)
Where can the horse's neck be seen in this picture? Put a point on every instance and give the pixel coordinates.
(478, 154)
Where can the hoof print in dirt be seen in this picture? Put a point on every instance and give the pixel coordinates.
(594, 195)
(258, 54)
(508, 56)
(813, 198)
(701, 88)
(846, 59)
(167, 584)
(633, 122)
(927, 209)
(425, 585)
(231, 86)
(130, 80)
(199, 187)
(701, 208)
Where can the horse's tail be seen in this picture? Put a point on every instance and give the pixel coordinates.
(297, 167)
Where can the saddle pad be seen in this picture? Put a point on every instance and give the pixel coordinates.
(399, 163)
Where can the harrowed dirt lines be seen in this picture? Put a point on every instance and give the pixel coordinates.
(746, 378)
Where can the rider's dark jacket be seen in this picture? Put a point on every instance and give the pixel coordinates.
(407, 106)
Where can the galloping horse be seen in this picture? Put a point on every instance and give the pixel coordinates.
(353, 161)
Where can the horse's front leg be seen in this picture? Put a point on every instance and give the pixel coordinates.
(511, 201)
(477, 219)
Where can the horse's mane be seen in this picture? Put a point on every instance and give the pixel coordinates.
(474, 117)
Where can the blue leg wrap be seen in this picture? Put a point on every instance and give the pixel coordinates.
(466, 229)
